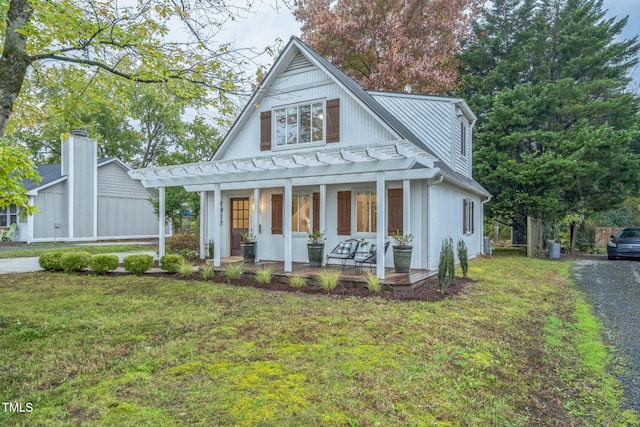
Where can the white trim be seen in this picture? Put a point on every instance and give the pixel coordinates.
(381, 214)
(203, 228)
(288, 246)
(323, 212)
(34, 191)
(161, 220)
(95, 188)
(217, 224)
(255, 206)
(70, 188)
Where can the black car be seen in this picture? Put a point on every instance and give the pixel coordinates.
(625, 245)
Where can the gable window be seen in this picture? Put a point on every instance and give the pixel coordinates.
(467, 216)
(8, 215)
(366, 209)
(299, 124)
(463, 138)
(301, 213)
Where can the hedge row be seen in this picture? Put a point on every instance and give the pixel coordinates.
(102, 263)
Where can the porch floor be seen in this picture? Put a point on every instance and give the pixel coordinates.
(349, 275)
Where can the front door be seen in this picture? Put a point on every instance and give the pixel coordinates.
(239, 223)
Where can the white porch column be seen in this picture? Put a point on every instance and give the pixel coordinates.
(381, 215)
(406, 206)
(323, 213)
(256, 218)
(211, 217)
(203, 224)
(216, 215)
(161, 223)
(288, 246)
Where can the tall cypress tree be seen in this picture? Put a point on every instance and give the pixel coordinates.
(556, 124)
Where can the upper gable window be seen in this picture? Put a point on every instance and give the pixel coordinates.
(299, 124)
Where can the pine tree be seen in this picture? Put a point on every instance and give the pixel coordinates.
(556, 124)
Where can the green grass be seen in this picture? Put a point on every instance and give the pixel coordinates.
(35, 250)
(520, 348)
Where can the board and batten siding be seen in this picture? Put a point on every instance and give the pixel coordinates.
(52, 203)
(123, 205)
(357, 126)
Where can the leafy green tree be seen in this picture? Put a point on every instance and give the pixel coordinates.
(556, 123)
(15, 167)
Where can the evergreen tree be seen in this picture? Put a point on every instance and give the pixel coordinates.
(556, 124)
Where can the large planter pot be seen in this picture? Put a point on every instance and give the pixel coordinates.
(248, 252)
(316, 254)
(402, 258)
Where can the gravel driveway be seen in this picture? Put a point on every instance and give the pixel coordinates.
(614, 287)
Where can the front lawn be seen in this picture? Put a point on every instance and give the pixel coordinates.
(520, 348)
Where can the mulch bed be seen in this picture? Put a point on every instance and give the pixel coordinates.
(426, 291)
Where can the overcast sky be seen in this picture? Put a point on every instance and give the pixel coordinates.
(267, 24)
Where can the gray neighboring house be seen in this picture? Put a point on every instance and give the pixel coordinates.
(84, 198)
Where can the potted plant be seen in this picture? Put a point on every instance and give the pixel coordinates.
(248, 245)
(315, 248)
(402, 251)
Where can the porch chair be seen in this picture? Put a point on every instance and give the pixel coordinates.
(363, 258)
(344, 252)
(8, 235)
(2, 235)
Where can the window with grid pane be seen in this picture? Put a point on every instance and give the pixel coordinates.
(299, 124)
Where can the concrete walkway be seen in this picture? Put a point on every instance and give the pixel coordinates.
(30, 264)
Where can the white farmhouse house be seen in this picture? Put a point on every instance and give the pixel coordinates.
(313, 150)
(83, 198)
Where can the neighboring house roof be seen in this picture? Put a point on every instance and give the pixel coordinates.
(52, 173)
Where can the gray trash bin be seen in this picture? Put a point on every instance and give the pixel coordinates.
(554, 250)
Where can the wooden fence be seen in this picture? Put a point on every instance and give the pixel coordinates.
(603, 235)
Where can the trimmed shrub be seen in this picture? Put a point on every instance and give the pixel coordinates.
(171, 262)
(101, 263)
(178, 243)
(51, 261)
(75, 261)
(138, 263)
(446, 265)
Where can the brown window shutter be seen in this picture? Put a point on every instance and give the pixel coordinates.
(395, 210)
(276, 214)
(344, 213)
(473, 216)
(265, 131)
(316, 212)
(333, 120)
(464, 216)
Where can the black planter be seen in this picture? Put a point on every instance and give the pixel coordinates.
(402, 258)
(316, 254)
(249, 252)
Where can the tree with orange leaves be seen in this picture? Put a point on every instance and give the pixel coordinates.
(407, 45)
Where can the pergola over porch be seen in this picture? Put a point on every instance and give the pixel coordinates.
(376, 163)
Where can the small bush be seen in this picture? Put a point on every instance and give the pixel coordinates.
(138, 263)
(185, 268)
(463, 256)
(51, 261)
(207, 272)
(101, 263)
(171, 262)
(75, 261)
(373, 281)
(297, 281)
(234, 270)
(446, 264)
(328, 278)
(264, 274)
(183, 242)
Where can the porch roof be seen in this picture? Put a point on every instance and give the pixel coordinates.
(310, 162)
